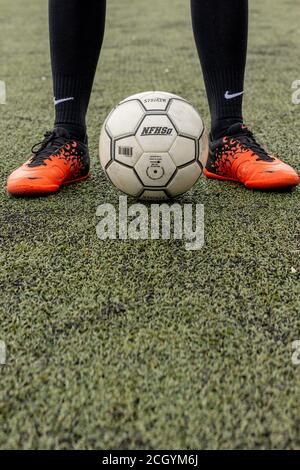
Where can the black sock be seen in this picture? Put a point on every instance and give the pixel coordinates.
(76, 35)
(221, 34)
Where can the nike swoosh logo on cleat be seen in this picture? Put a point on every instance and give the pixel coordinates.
(63, 100)
(229, 96)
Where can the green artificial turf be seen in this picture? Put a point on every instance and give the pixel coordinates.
(142, 344)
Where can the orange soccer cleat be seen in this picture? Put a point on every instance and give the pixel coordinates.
(238, 157)
(59, 159)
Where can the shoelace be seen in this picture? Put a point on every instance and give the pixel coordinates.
(247, 138)
(42, 150)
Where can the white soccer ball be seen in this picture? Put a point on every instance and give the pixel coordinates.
(153, 146)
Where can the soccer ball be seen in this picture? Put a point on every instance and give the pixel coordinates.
(153, 146)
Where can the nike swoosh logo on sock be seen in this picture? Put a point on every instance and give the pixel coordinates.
(229, 96)
(63, 100)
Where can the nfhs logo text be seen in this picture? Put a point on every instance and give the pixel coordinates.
(157, 131)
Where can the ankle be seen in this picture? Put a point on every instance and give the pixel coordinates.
(219, 128)
(78, 132)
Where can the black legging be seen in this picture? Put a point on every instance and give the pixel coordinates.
(76, 35)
